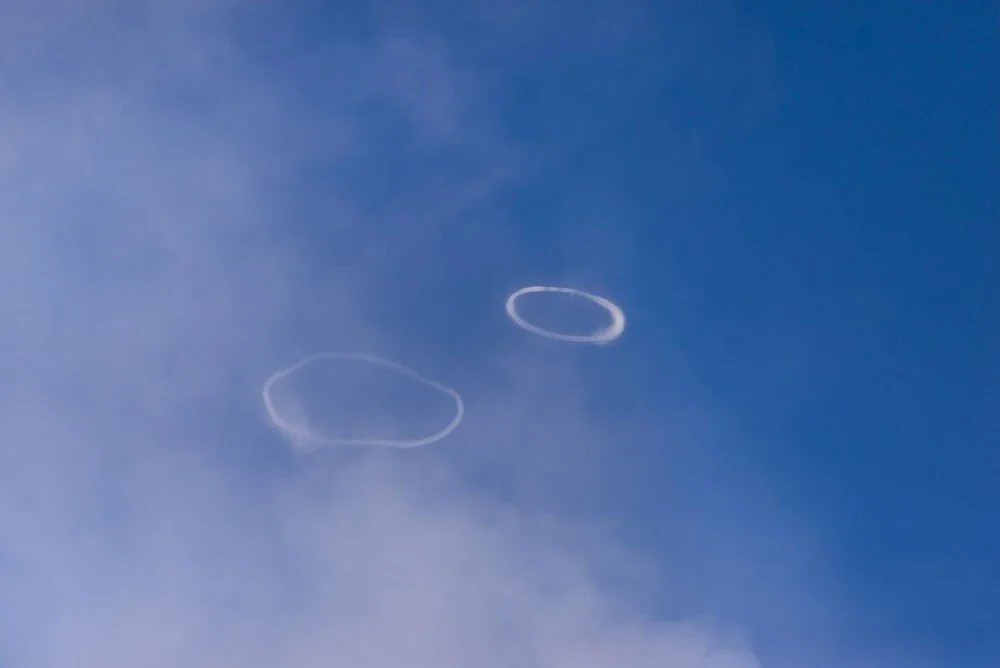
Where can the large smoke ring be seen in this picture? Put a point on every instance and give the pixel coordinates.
(309, 436)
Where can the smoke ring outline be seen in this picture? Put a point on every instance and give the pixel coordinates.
(307, 435)
(600, 337)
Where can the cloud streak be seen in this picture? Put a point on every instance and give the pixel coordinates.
(162, 243)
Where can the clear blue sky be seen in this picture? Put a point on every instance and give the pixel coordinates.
(798, 200)
(833, 278)
(836, 282)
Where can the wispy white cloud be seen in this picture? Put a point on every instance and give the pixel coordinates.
(154, 276)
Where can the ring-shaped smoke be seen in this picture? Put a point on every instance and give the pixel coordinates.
(320, 439)
(601, 336)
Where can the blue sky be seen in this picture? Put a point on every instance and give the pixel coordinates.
(784, 461)
(797, 204)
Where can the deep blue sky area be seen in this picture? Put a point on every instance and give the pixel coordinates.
(799, 200)
(816, 213)
(840, 290)
(869, 220)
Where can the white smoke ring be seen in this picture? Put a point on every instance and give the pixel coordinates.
(309, 436)
(601, 336)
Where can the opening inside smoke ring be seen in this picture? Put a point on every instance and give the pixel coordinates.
(600, 336)
(286, 413)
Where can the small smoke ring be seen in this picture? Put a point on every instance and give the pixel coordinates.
(601, 336)
(307, 435)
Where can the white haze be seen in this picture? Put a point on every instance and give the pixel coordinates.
(148, 516)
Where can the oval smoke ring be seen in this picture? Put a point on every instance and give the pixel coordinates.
(600, 336)
(319, 439)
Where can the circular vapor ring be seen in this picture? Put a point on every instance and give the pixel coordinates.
(601, 336)
(292, 430)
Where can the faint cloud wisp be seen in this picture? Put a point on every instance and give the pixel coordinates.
(143, 161)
